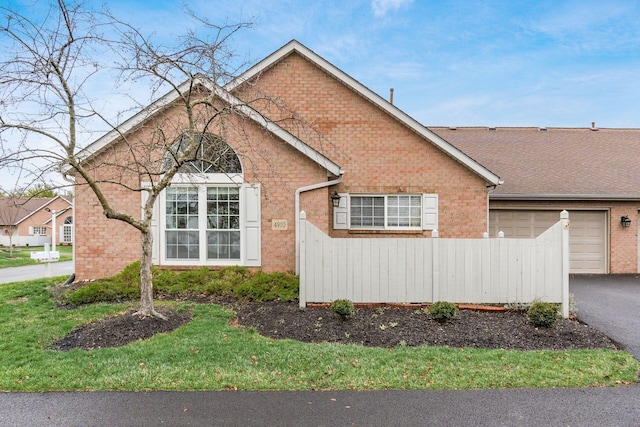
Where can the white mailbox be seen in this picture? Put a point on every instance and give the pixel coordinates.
(46, 255)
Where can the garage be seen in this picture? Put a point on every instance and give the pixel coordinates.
(587, 234)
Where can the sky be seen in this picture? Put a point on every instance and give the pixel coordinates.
(456, 63)
(543, 63)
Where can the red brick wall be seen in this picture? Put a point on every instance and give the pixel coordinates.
(39, 218)
(104, 246)
(623, 242)
(377, 152)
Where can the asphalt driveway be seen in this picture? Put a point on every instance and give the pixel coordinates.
(611, 304)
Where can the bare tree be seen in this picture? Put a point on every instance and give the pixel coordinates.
(11, 210)
(47, 101)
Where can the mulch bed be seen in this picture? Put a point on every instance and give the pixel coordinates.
(120, 330)
(375, 327)
(390, 327)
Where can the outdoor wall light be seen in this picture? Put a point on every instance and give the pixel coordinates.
(335, 199)
(625, 221)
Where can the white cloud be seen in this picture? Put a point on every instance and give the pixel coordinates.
(381, 7)
(577, 18)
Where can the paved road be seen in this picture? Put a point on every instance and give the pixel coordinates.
(607, 302)
(30, 272)
(618, 407)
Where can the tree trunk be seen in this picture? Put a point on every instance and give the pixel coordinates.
(146, 278)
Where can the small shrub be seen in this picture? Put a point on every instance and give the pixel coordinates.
(268, 287)
(343, 308)
(185, 282)
(238, 282)
(130, 275)
(163, 280)
(443, 311)
(543, 314)
(573, 309)
(104, 291)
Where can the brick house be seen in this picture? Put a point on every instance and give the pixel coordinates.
(391, 176)
(28, 221)
(591, 172)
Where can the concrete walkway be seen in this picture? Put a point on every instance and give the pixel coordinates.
(30, 272)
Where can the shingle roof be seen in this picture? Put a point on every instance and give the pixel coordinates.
(15, 210)
(563, 163)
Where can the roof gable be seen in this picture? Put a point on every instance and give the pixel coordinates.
(555, 163)
(19, 209)
(168, 99)
(392, 110)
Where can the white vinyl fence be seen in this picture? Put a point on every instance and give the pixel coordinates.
(35, 240)
(424, 270)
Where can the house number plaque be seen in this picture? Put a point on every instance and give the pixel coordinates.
(279, 224)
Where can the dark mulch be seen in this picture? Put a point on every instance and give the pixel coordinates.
(120, 330)
(382, 327)
(390, 327)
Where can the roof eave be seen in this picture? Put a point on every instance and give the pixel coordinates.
(139, 118)
(567, 197)
(44, 204)
(128, 125)
(280, 132)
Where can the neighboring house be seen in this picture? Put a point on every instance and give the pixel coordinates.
(28, 221)
(593, 173)
(393, 177)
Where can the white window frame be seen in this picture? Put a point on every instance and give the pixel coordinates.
(38, 231)
(249, 221)
(428, 212)
(194, 175)
(212, 180)
(67, 233)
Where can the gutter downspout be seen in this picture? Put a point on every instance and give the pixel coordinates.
(70, 180)
(490, 189)
(297, 210)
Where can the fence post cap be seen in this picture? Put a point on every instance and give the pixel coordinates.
(434, 233)
(564, 215)
(303, 215)
(501, 234)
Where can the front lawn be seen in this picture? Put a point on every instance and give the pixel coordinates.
(209, 353)
(22, 255)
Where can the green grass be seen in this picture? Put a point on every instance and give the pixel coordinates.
(22, 255)
(210, 354)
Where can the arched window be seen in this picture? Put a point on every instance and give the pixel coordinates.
(66, 231)
(208, 217)
(213, 155)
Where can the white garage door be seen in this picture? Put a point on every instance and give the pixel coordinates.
(587, 234)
